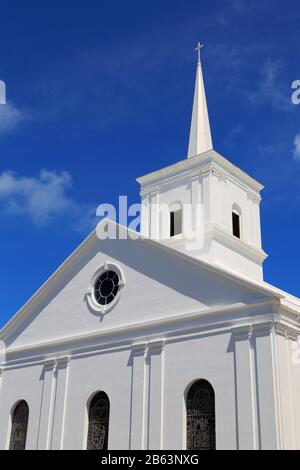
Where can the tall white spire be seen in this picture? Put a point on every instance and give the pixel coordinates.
(200, 136)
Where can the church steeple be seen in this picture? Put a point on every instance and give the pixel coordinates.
(204, 205)
(200, 135)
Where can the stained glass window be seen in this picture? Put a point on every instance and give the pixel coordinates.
(19, 427)
(200, 408)
(98, 422)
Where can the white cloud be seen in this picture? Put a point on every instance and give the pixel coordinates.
(42, 199)
(274, 148)
(271, 89)
(233, 135)
(10, 117)
(296, 150)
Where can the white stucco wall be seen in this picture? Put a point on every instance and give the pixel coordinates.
(175, 322)
(146, 385)
(288, 380)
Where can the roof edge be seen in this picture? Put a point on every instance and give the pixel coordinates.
(190, 163)
(21, 314)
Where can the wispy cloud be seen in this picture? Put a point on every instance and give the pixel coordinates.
(271, 88)
(274, 148)
(44, 198)
(239, 6)
(91, 80)
(296, 149)
(232, 136)
(10, 117)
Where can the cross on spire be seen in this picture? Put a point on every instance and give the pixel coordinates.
(200, 135)
(198, 49)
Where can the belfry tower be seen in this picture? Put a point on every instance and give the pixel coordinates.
(204, 205)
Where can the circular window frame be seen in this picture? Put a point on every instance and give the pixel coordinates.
(94, 305)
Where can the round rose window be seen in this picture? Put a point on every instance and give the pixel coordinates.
(106, 287)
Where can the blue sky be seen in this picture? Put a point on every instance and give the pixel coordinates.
(100, 93)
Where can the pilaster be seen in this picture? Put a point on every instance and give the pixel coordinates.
(155, 404)
(62, 372)
(137, 427)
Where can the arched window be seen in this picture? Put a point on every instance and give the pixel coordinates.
(175, 219)
(98, 422)
(200, 410)
(236, 222)
(19, 426)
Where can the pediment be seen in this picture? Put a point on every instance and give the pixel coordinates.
(158, 283)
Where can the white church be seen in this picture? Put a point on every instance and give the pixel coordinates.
(169, 339)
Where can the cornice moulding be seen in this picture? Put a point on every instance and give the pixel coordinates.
(216, 232)
(250, 328)
(204, 319)
(286, 331)
(200, 161)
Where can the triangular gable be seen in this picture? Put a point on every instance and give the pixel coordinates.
(160, 282)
